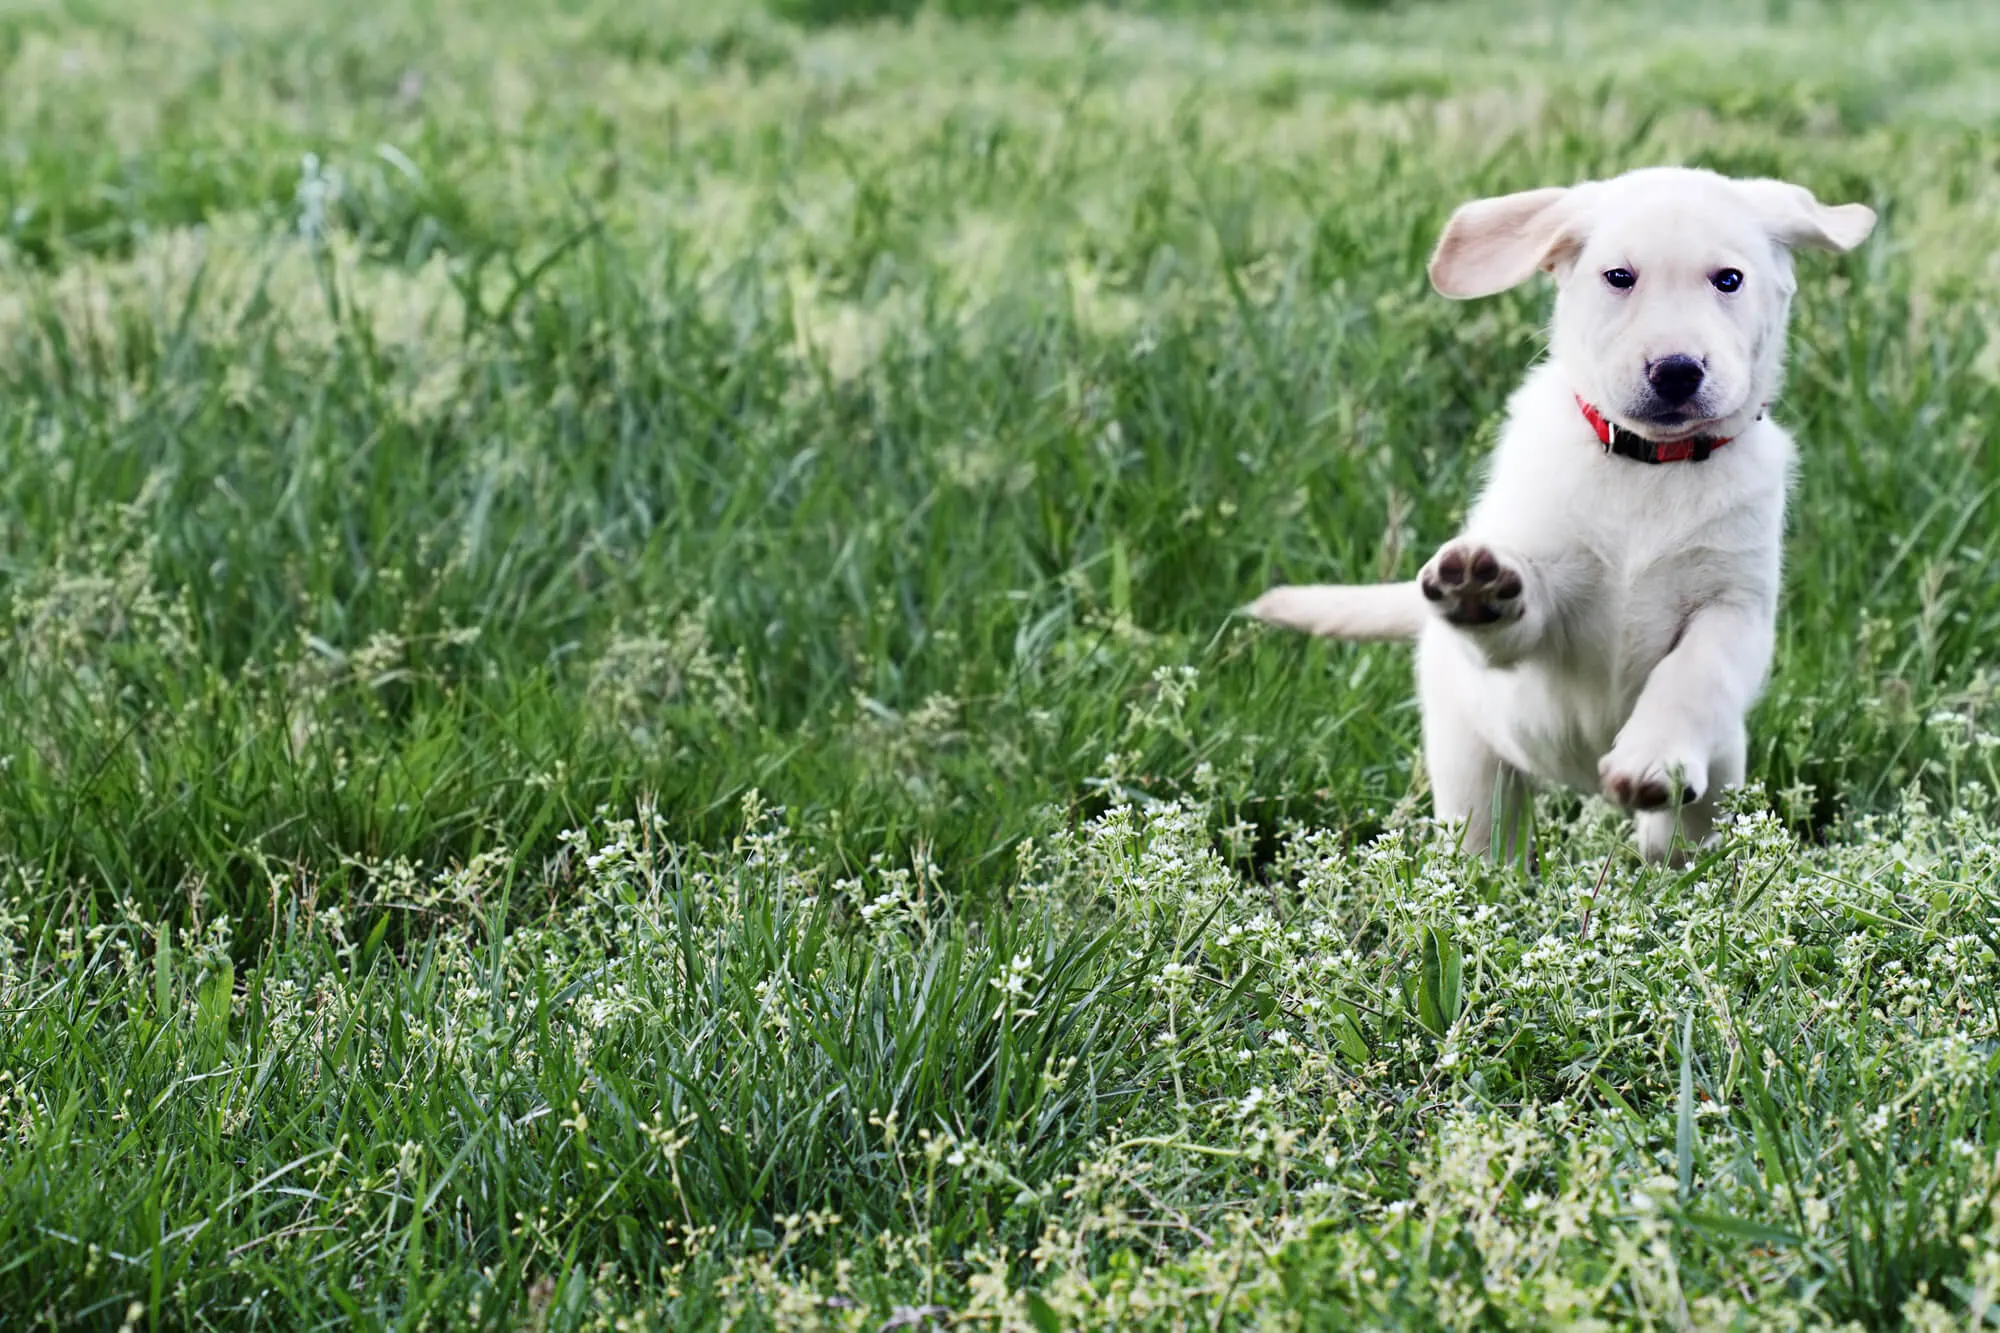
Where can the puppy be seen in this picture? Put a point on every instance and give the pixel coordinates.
(1606, 618)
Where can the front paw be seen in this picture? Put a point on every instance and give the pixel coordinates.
(1651, 777)
(1471, 586)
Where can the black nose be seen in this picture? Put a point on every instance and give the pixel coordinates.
(1674, 378)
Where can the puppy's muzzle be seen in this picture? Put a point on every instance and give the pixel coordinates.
(1675, 380)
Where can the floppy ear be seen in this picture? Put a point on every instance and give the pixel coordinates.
(1490, 245)
(1795, 218)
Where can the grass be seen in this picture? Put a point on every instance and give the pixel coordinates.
(622, 705)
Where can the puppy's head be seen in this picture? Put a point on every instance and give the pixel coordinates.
(1673, 285)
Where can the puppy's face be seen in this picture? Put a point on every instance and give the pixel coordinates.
(1673, 286)
(1671, 313)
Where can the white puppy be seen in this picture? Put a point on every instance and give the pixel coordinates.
(1606, 618)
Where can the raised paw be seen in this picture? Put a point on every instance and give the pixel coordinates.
(1637, 782)
(1471, 586)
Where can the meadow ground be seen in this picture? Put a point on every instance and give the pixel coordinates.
(620, 706)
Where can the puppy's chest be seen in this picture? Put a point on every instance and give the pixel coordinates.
(1646, 582)
(1638, 609)
(1635, 567)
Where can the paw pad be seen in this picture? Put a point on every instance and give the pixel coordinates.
(1472, 586)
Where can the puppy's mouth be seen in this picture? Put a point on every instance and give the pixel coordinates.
(1674, 425)
(1667, 424)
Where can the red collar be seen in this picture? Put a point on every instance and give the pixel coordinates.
(1694, 449)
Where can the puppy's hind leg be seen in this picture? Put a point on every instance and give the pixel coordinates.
(1480, 794)
(1472, 788)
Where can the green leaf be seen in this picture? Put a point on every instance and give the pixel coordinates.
(1737, 1226)
(163, 974)
(1440, 993)
(1612, 1095)
(1452, 963)
(1684, 1117)
(1042, 1314)
(374, 940)
(1121, 579)
(212, 1001)
(1348, 1033)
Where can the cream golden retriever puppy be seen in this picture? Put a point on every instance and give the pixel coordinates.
(1605, 619)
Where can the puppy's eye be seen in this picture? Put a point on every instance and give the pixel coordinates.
(1621, 278)
(1726, 279)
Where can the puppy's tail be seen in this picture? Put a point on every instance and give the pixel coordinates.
(1370, 611)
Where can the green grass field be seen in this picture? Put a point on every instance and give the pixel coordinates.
(620, 705)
